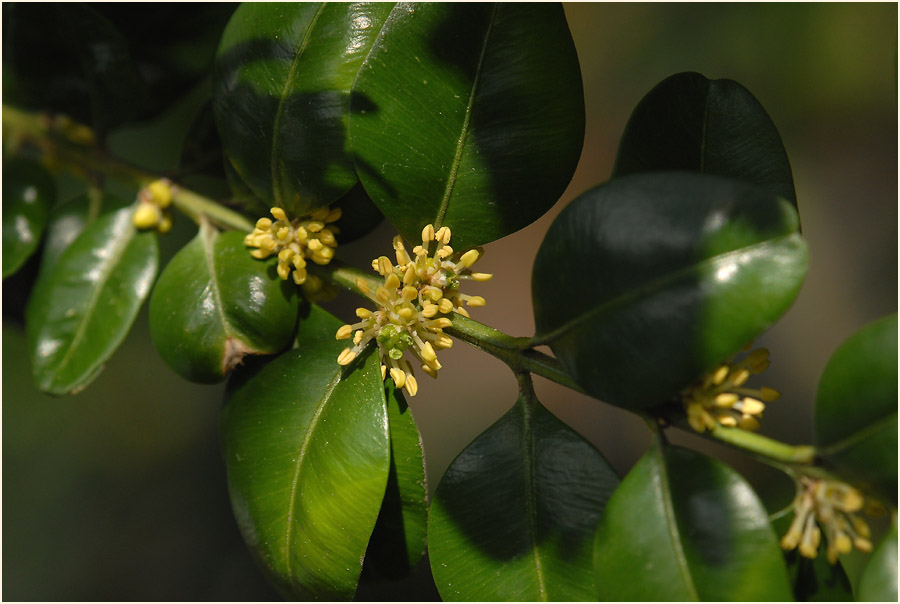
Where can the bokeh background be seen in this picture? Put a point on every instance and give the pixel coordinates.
(119, 493)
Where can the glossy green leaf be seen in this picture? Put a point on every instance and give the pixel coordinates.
(307, 452)
(683, 526)
(28, 193)
(83, 306)
(646, 282)
(214, 304)
(813, 580)
(688, 122)
(856, 408)
(67, 221)
(359, 215)
(282, 83)
(468, 115)
(879, 578)
(514, 516)
(398, 541)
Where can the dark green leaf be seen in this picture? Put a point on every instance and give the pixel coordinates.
(646, 282)
(468, 115)
(28, 193)
(83, 306)
(359, 215)
(814, 580)
(282, 83)
(398, 541)
(683, 526)
(307, 451)
(688, 122)
(214, 304)
(879, 577)
(514, 516)
(856, 408)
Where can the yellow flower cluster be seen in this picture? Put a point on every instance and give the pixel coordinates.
(293, 241)
(721, 398)
(412, 306)
(834, 505)
(153, 209)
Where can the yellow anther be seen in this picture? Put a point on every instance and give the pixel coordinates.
(285, 255)
(428, 233)
(443, 235)
(468, 259)
(441, 323)
(314, 226)
(383, 295)
(409, 277)
(334, 215)
(284, 270)
(344, 332)
(751, 406)
(327, 237)
(279, 214)
(481, 276)
(726, 399)
(357, 338)
(398, 376)
(741, 377)
(462, 311)
(720, 375)
(363, 313)
(383, 266)
(429, 310)
(346, 357)
(430, 371)
(443, 341)
(409, 293)
(406, 313)
(428, 353)
(445, 306)
(392, 281)
(444, 252)
(362, 285)
(299, 276)
(412, 386)
(727, 420)
(769, 394)
(476, 301)
(314, 244)
(383, 372)
(263, 224)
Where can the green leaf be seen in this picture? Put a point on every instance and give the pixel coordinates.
(214, 304)
(644, 283)
(398, 541)
(83, 306)
(307, 451)
(68, 220)
(879, 578)
(359, 215)
(856, 408)
(468, 115)
(28, 193)
(282, 83)
(683, 526)
(814, 580)
(514, 516)
(688, 122)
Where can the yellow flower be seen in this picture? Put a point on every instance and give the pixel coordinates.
(720, 397)
(833, 504)
(293, 241)
(412, 306)
(153, 210)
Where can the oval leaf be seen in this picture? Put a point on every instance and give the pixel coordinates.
(83, 306)
(879, 578)
(648, 281)
(214, 304)
(398, 541)
(282, 83)
(468, 115)
(688, 122)
(856, 408)
(28, 193)
(514, 516)
(307, 450)
(683, 526)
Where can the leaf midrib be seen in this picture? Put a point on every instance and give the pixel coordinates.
(464, 134)
(860, 435)
(208, 235)
(107, 268)
(528, 459)
(649, 286)
(672, 524)
(276, 124)
(301, 456)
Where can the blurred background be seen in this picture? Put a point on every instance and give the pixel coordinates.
(119, 493)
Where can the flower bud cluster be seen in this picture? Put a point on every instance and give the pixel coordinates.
(413, 306)
(154, 206)
(833, 504)
(720, 396)
(295, 241)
